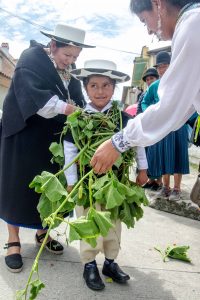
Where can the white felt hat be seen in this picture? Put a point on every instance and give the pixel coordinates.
(68, 35)
(100, 67)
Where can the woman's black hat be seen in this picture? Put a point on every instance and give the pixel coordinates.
(163, 57)
(150, 72)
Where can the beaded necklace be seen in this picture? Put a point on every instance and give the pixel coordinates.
(187, 7)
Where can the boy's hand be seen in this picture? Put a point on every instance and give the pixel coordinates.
(142, 177)
(69, 188)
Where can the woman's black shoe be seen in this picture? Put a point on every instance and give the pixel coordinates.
(149, 184)
(156, 187)
(14, 261)
(52, 246)
(113, 271)
(92, 278)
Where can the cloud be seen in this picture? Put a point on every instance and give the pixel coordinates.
(109, 25)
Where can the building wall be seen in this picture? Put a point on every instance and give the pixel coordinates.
(3, 92)
(7, 66)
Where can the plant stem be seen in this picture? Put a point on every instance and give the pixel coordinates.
(35, 264)
(51, 220)
(90, 189)
(120, 119)
(72, 162)
(69, 195)
(99, 142)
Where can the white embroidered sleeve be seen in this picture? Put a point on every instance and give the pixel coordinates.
(52, 108)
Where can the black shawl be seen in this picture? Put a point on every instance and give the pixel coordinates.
(34, 82)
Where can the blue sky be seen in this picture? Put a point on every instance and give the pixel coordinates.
(109, 25)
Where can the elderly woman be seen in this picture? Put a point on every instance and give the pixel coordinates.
(168, 19)
(34, 112)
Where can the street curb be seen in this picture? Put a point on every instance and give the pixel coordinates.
(181, 208)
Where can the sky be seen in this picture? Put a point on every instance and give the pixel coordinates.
(109, 24)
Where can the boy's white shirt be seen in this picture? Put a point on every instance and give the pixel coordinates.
(70, 152)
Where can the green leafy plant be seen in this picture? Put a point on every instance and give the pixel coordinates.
(175, 252)
(120, 198)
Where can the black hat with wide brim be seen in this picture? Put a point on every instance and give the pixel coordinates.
(163, 57)
(150, 72)
(68, 35)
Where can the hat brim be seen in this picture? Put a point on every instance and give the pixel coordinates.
(64, 41)
(162, 63)
(113, 74)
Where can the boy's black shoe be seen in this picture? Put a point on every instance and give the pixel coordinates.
(113, 271)
(92, 278)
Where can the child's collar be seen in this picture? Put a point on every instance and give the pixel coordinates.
(89, 107)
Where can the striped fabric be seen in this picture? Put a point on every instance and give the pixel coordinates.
(170, 155)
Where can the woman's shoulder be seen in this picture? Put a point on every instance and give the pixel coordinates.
(32, 55)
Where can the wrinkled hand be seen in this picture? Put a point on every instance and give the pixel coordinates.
(70, 109)
(142, 177)
(104, 157)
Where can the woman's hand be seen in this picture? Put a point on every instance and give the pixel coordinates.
(70, 109)
(104, 157)
(142, 177)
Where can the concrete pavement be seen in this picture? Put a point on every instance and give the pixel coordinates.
(151, 279)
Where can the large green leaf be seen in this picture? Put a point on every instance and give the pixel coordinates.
(50, 185)
(115, 213)
(85, 228)
(100, 182)
(72, 119)
(37, 184)
(125, 215)
(56, 149)
(101, 193)
(102, 219)
(36, 287)
(125, 190)
(139, 196)
(113, 197)
(178, 252)
(91, 241)
(20, 294)
(73, 234)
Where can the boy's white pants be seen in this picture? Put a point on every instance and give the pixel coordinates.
(108, 245)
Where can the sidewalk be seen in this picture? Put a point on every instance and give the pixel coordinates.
(151, 279)
(185, 207)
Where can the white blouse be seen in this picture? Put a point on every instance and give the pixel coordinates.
(179, 90)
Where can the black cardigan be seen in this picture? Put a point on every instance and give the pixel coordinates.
(34, 82)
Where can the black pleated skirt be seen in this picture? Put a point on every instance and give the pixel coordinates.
(22, 157)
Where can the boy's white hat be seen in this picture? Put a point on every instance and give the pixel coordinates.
(68, 35)
(100, 67)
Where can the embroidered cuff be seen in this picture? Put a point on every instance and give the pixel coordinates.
(119, 143)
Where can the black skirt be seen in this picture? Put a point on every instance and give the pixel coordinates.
(22, 157)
